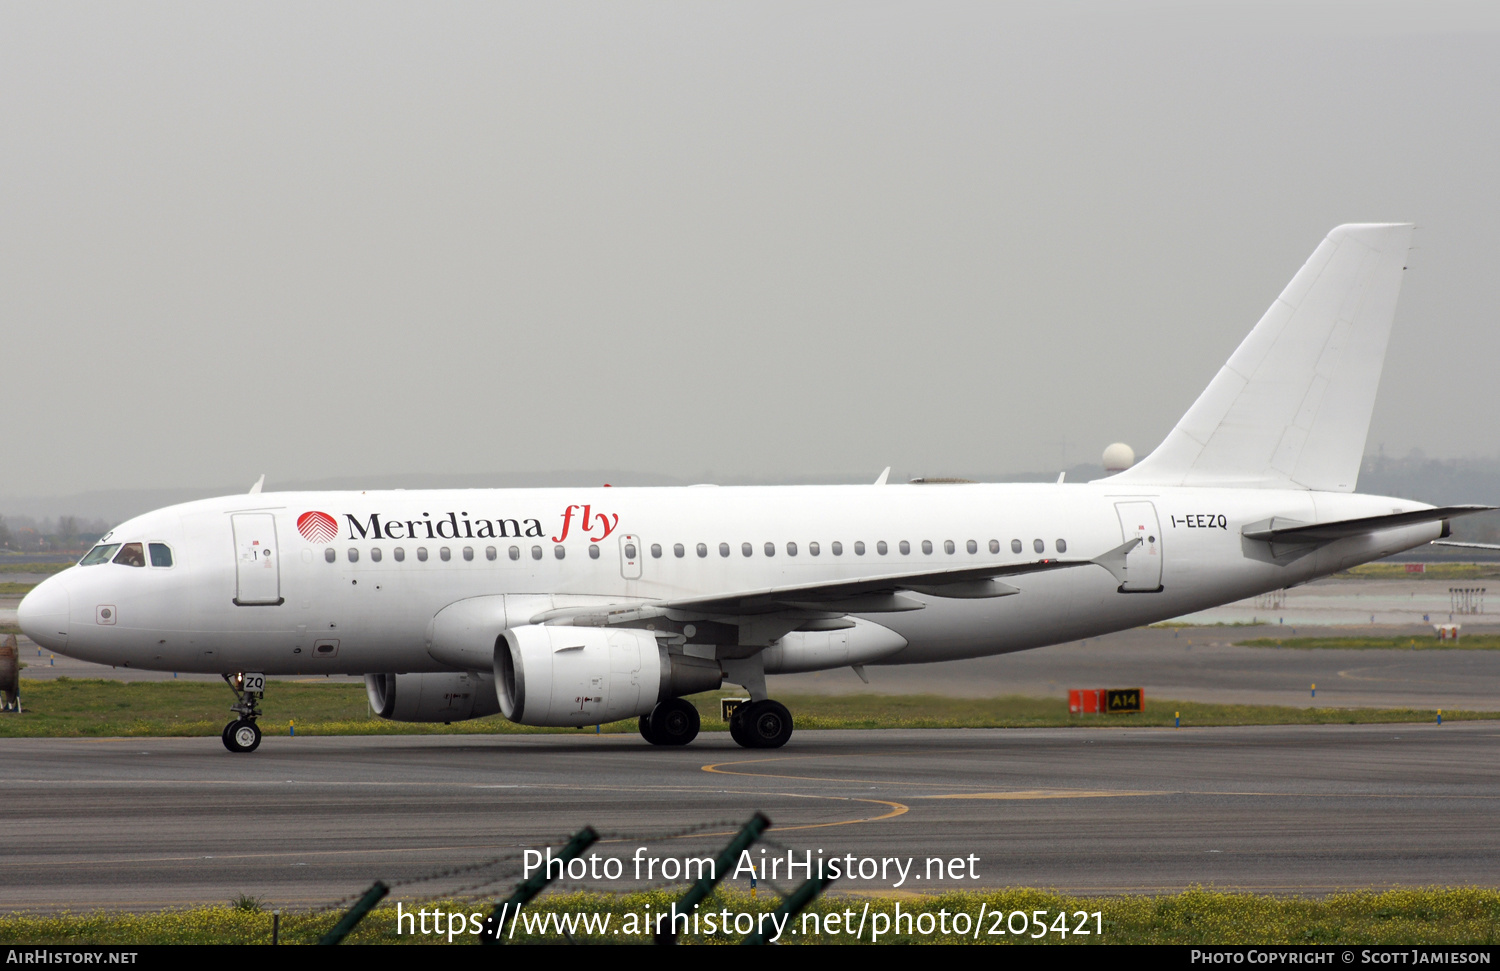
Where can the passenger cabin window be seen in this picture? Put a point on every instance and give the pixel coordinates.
(490, 552)
(422, 553)
(161, 554)
(375, 553)
(131, 554)
(770, 549)
(468, 552)
(971, 546)
(881, 548)
(837, 547)
(536, 552)
(791, 549)
(948, 546)
(1039, 546)
(1015, 546)
(1062, 546)
(702, 549)
(559, 551)
(747, 549)
(656, 551)
(812, 549)
(400, 554)
(445, 554)
(723, 549)
(353, 555)
(678, 551)
(927, 547)
(330, 555)
(99, 554)
(593, 551)
(514, 553)
(905, 548)
(859, 547)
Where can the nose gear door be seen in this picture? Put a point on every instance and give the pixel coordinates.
(257, 564)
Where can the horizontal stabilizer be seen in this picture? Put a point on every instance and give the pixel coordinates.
(1280, 530)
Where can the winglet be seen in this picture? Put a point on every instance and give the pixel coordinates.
(883, 476)
(255, 489)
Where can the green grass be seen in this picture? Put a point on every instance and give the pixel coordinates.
(1470, 642)
(40, 569)
(7, 587)
(68, 707)
(1419, 916)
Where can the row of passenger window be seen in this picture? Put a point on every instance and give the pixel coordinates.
(837, 548)
(680, 551)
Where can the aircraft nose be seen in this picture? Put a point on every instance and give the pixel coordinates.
(43, 614)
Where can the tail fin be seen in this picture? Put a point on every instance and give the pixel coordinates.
(1291, 408)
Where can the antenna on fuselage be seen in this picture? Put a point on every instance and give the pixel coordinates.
(255, 489)
(883, 476)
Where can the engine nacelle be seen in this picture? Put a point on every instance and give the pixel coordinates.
(438, 697)
(574, 676)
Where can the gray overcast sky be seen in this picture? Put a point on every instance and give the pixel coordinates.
(318, 239)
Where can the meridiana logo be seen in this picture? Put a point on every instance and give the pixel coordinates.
(317, 527)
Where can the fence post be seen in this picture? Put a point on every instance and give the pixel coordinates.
(749, 833)
(793, 904)
(511, 907)
(356, 914)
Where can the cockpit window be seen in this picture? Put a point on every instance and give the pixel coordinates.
(161, 554)
(131, 554)
(99, 554)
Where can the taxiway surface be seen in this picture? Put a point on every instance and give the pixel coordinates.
(303, 822)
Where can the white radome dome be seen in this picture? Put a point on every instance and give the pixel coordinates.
(1118, 457)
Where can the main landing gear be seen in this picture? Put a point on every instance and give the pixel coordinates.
(761, 724)
(242, 734)
(673, 722)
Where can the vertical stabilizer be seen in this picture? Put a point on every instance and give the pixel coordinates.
(1291, 409)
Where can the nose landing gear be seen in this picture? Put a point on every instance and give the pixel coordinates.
(242, 734)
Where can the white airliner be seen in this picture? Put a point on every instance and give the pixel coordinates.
(572, 607)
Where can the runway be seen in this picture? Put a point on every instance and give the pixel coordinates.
(146, 823)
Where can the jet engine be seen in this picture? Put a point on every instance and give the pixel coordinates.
(573, 676)
(435, 697)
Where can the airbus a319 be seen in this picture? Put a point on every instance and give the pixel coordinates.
(574, 607)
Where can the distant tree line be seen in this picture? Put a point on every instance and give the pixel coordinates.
(65, 534)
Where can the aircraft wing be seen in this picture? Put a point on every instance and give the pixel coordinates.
(828, 600)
